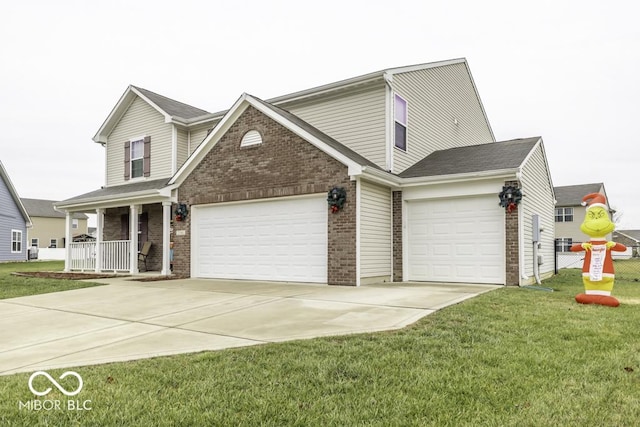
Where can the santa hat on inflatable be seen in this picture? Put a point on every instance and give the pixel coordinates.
(594, 199)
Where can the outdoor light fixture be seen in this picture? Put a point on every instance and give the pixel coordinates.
(510, 196)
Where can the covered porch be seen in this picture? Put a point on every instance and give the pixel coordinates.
(127, 217)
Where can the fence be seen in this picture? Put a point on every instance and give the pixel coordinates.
(626, 264)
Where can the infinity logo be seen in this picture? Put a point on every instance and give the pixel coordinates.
(55, 383)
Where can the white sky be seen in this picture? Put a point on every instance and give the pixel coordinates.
(562, 69)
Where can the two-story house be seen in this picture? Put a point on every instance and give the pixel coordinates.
(48, 230)
(389, 176)
(14, 221)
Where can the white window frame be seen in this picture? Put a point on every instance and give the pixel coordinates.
(75, 223)
(35, 239)
(405, 125)
(53, 243)
(563, 244)
(562, 213)
(16, 240)
(133, 143)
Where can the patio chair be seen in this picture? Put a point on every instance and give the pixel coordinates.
(144, 253)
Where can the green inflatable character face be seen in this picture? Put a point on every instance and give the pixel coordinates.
(597, 269)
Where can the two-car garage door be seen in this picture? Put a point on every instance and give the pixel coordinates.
(456, 240)
(278, 239)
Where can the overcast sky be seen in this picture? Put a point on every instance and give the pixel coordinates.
(563, 70)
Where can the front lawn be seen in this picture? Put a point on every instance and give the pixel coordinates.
(15, 286)
(510, 357)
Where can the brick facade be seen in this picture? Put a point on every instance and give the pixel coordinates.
(397, 236)
(512, 244)
(282, 165)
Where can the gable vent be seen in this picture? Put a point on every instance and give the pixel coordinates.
(252, 137)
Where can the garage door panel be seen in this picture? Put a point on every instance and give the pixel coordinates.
(283, 239)
(456, 240)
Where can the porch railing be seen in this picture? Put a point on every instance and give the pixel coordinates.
(115, 255)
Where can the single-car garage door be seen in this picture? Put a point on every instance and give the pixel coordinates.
(456, 240)
(278, 239)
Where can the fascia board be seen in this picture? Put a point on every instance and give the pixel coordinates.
(471, 176)
(328, 88)
(14, 194)
(419, 67)
(135, 198)
(167, 117)
(116, 113)
(354, 167)
(210, 141)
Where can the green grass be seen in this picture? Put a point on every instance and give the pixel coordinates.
(15, 286)
(510, 357)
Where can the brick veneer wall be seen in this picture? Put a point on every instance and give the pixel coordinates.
(512, 244)
(397, 236)
(283, 165)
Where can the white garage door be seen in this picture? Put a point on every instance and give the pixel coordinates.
(456, 240)
(284, 239)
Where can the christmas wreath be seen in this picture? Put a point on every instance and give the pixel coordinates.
(181, 212)
(336, 198)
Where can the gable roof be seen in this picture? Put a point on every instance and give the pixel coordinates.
(494, 156)
(173, 111)
(142, 189)
(631, 234)
(571, 195)
(320, 140)
(4, 176)
(45, 209)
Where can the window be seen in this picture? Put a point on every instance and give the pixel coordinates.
(53, 243)
(564, 214)
(137, 158)
(252, 137)
(563, 244)
(74, 223)
(34, 243)
(400, 114)
(16, 241)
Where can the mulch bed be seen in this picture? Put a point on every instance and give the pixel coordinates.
(88, 276)
(62, 275)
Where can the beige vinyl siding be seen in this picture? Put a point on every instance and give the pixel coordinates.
(140, 119)
(538, 199)
(198, 135)
(355, 119)
(183, 147)
(436, 97)
(375, 231)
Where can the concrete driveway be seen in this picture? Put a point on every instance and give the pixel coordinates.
(128, 320)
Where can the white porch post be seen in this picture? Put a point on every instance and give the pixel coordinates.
(133, 231)
(166, 237)
(99, 228)
(67, 241)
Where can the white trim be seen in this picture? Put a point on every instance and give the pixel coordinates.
(251, 137)
(37, 245)
(174, 150)
(16, 241)
(358, 231)
(166, 238)
(406, 125)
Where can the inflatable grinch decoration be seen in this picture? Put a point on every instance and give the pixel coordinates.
(597, 270)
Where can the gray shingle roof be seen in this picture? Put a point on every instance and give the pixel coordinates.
(634, 234)
(571, 195)
(44, 209)
(172, 107)
(117, 190)
(473, 158)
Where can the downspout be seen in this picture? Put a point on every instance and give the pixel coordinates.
(388, 79)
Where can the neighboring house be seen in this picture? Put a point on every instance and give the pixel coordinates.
(48, 229)
(14, 221)
(629, 238)
(570, 213)
(243, 194)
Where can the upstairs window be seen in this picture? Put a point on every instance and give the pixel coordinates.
(564, 214)
(16, 241)
(74, 223)
(400, 115)
(137, 158)
(563, 244)
(34, 243)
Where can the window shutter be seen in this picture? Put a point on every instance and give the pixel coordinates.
(147, 156)
(127, 160)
